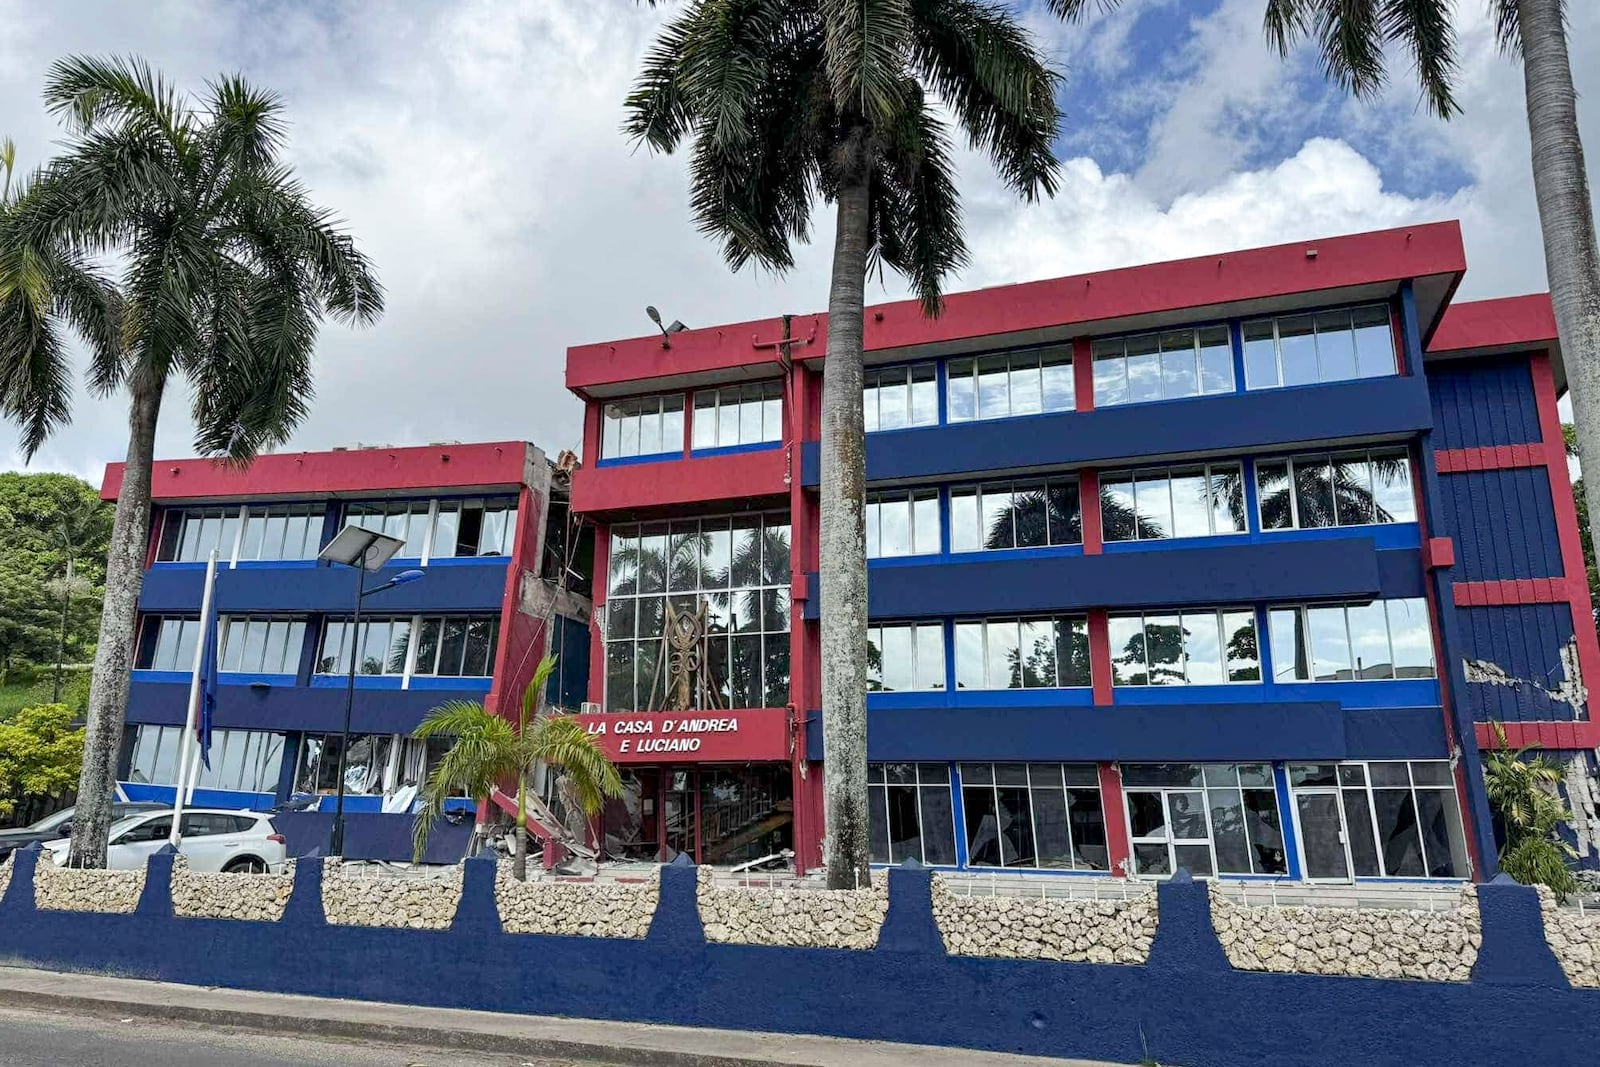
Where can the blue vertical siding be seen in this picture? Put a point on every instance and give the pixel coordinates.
(569, 685)
(1503, 523)
(1525, 641)
(1483, 403)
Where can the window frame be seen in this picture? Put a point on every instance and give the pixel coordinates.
(1292, 487)
(1302, 610)
(877, 378)
(1220, 614)
(1047, 484)
(289, 661)
(1350, 311)
(1099, 353)
(1073, 621)
(1338, 788)
(767, 390)
(1039, 356)
(878, 779)
(938, 672)
(960, 780)
(1134, 475)
(1204, 788)
(614, 453)
(910, 498)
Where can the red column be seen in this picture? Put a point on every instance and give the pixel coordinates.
(1100, 656)
(1089, 511)
(803, 685)
(1082, 374)
(1116, 818)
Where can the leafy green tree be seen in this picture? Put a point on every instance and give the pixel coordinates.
(786, 101)
(1522, 792)
(40, 754)
(227, 271)
(487, 750)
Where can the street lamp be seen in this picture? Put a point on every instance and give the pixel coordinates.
(365, 550)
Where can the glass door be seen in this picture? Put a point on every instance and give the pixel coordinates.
(1324, 848)
(681, 822)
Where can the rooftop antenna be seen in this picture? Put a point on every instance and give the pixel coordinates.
(666, 331)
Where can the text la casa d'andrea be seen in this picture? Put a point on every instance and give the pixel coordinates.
(687, 734)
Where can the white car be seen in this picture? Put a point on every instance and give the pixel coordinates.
(234, 842)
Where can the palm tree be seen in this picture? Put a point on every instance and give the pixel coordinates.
(227, 272)
(1522, 792)
(786, 100)
(1352, 37)
(487, 749)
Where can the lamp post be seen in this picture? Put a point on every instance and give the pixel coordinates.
(365, 550)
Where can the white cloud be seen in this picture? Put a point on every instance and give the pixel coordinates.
(474, 148)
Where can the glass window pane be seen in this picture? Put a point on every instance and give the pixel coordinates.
(905, 834)
(1358, 828)
(1260, 356)
(1066, 525)
(652, 559)
(1163, 638)
(1228, 835)
(1216, 360)
(1072, 651)
(1050, 828)
(899, 658)
(894, 527)
(1369, 641)
(1265, 832)
(650, 428)
(1297, 349)
(1410, 637)
(1202, 648)
(878, 825)
(479, 658)
(1399, 837)
(233, 645)
(1391, 487)
(716, 554)
(1239, 646)
(1088, 820)
(894, 399)
(1032, 521)
(628, 441)
(746, 549)
(983, 825)
(1352, 489)
(964, 522)
(1273, 494)
(1443, 842)
(924, 396)
(1117, 517)
(1330, 643)
(1147, 815)
(771, 412)
(705, 419)
(874, 660)
(1056, 372)
(255, 645)
(1144, 368)
(1374, 343)
(998, 529)
(1313, 492)
(727, 417)
(1336, 350)
(925, 523)
(672, 424)
(1127, 650)
(930, 656)
(1290, 662)
(994, 392)
(1016, 828)
(961, 395)
(611, 432)
(969, 655)
(1027, 396)
(1002, 655)
(228, 540)
(1153, 504)
(938, 826)
(1038, 653)
(1191, 504)
(1179, 373)
(452, 647)
(1110, 374)
(1225, 494)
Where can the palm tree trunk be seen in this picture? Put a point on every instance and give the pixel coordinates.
(1566, 217)
(519, 852)
(113, 658)
(843, 547)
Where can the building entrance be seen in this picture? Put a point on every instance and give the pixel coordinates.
(722, 816)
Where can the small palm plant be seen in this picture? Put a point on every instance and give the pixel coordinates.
(1522, 791)
(488, 749)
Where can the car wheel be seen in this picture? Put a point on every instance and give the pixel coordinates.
(246, 865)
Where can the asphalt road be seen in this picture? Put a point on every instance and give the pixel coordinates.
(35, 1039)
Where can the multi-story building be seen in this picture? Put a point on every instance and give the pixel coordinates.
(489, 527)
(1223, 563)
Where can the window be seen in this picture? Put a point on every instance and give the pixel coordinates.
(377, 764)
(379, 648)
(1210, 818)
(281, 531)
(261, 645)
(190, 535)
(731, 577)
(1356, 488)
(903, 523)
(1379, 820)
(910, 813)
(1011, 383)
(1195, 646)
(1015, 515)
(643, 426)
(457, 646)
(1328, 346)
(1200, 501)
(167, 643)
(1162, 366)
(1034, 815)
(738, 415)
(1023, 653)
(405, 519)
(895, 398)
(247, 760)
(1359, 641)
(906, 657)
(474, 528)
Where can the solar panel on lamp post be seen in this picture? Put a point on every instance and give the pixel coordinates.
(365, 550)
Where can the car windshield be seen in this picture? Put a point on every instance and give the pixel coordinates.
(51, 822)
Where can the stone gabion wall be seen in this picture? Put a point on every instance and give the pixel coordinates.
(575, 909)
(253, 897)
(5, 873)
(796, 918)
(1574, 939)
(408, 903)
(1366, 942)
(1049, 928)
(68, 889)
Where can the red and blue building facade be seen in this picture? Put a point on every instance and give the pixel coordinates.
(487, 524)
(1224, 563)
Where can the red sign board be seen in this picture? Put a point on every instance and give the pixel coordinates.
(692, 736)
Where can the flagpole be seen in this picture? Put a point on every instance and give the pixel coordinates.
(190, 749)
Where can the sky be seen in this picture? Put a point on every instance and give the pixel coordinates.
(474, 149)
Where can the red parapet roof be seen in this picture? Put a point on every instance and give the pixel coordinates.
(1507, 321)
(313, 474)
(1431, 251)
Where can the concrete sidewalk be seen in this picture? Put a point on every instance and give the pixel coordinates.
(477, 1031)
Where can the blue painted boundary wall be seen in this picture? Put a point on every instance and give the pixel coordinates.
(1185, 1006)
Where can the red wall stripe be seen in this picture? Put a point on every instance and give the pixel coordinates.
(1490, 458)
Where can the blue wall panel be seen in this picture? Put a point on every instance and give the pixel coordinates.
(1524, 641)
(177, 588)
(1186, 1005)
(1503, 523)
(1482, 403)
(1229, 424)
(283, 708)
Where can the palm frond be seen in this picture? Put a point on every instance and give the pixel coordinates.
(561, 741)
(1075, 10)
(1427, 29)
(920, 232)
(867, 42)
(86, 91)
